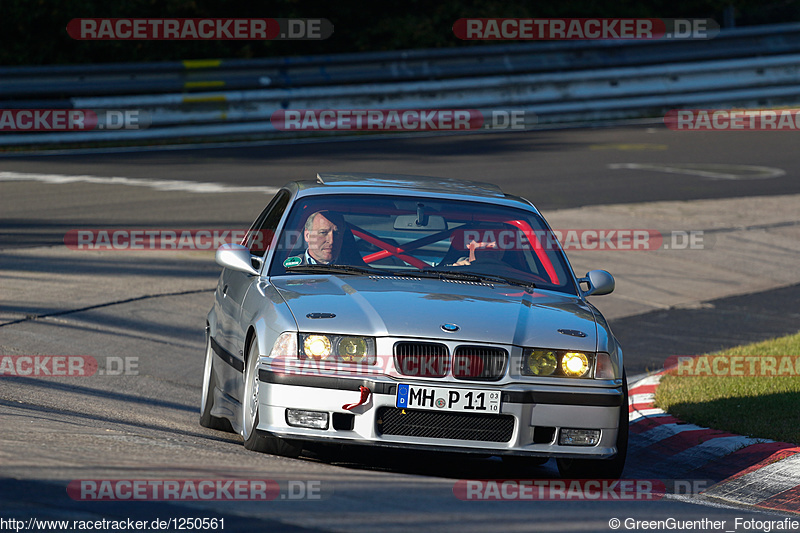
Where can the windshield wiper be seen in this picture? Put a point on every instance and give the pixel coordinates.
(470, 276)
(331, 269)
(426, 273)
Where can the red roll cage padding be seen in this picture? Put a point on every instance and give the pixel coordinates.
(394, 250)
(537, 248)
(533, 239)
(408, 247)
(389, 249)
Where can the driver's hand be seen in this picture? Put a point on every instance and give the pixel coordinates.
(477, 246)
(472, 246)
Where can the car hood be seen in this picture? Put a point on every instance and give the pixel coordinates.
(413, 307)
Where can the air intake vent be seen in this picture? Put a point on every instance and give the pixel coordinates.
(421, 359)
(482, 363)
(444, 425)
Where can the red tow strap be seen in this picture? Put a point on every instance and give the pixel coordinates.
(365, 392)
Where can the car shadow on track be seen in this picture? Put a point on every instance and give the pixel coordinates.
(426, 463)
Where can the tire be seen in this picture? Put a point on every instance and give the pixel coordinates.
(259, 441)
(602, 468)
(207, 400)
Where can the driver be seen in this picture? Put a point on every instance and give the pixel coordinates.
(323, 236)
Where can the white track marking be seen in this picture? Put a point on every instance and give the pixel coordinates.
(761, 484)
(644, 413)
(159, 185)
(709, 171)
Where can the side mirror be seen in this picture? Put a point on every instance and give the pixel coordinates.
(600, 282)
(237, 257)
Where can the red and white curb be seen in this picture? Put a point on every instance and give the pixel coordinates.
(756, 472)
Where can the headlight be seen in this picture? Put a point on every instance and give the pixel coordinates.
(337, 348)
(317, 347)
(353, 349)
(541, 362)
(575, 364)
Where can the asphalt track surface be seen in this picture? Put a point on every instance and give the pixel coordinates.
(152, 306)
(554, 169)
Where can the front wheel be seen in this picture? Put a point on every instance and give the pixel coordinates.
(253, 439)
(602, 468)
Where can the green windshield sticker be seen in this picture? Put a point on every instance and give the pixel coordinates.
(292, 261)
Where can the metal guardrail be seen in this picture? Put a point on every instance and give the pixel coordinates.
(558, 81)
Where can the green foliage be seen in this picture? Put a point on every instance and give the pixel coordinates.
(755, 406)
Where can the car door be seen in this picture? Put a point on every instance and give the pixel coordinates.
(234, 285)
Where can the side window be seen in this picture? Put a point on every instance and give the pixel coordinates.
(260, 235)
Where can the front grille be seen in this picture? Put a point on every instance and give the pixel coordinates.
(421, 359)
(479, 362)
(444, 425)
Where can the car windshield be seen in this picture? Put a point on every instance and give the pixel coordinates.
(407, 235)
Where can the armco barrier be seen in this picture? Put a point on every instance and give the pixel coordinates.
(554, 81)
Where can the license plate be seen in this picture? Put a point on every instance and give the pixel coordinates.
(447, 399)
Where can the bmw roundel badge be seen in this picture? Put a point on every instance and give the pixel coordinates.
(450, 328)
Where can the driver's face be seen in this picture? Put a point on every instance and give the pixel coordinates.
(324, 239)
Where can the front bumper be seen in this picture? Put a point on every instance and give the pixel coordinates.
(539, 413)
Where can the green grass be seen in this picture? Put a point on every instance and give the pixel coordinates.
(756, 406)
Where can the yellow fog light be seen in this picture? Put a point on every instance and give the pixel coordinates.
(353, 349)
(540, 363)
(575, 364)
(317, 347)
